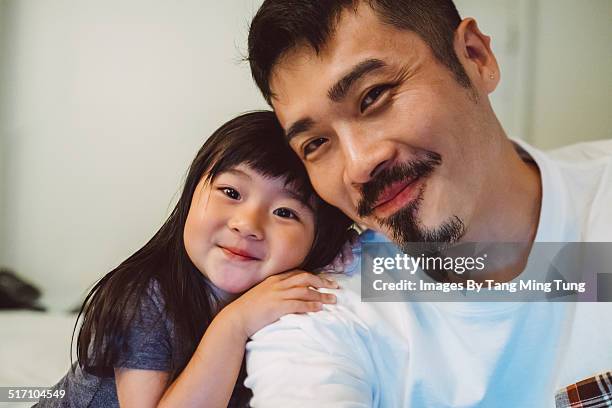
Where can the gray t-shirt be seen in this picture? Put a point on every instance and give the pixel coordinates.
(148, 348)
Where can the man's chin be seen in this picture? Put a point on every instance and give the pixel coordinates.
(404, 227)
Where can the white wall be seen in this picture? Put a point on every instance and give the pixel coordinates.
(2, 148)
(504, 21)
(556, 65)
(572, 72)
(106, 103)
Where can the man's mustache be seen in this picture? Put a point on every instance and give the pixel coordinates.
(412, 170)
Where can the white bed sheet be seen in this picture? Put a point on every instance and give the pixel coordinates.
(34, 349)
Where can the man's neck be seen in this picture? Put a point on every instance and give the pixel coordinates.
(510, 212)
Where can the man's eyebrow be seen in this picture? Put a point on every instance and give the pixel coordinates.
(339, 90)
(298, 127)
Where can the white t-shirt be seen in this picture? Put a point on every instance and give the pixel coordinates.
(356, 354)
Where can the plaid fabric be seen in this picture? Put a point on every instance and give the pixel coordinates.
(594, 392)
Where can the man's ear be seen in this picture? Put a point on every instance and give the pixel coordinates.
(473, 49)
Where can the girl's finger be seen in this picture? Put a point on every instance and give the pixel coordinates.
(297, 306)
(306, 294)
(286, 275)
(308, 279)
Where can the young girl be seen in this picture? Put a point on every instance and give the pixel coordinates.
(168, 326)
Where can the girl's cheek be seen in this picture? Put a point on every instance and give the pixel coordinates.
(290, 242)
(302, 242)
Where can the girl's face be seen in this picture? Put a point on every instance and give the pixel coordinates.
(243, 227)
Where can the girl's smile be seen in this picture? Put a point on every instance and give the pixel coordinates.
(237, 254)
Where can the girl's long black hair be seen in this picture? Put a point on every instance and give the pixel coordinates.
(255, 139)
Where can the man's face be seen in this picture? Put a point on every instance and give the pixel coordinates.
(385, 131)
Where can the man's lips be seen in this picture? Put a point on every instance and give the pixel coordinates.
(391, 192)
(238, 254)
(395, 197)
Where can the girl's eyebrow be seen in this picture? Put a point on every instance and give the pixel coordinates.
(285, 191)
(238, 172)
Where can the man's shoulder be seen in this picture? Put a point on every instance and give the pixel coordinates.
(586, 173)
(586, 169)
(583, 152)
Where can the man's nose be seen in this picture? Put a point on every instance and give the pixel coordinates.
(247, 222)
(365, 154)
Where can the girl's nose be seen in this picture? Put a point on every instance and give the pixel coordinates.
(247, 225)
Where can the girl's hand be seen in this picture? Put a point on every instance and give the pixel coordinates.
(276, 296)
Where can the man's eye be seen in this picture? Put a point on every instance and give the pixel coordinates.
(230, 192)
(284, 212)
(372, 96)
(313, 145)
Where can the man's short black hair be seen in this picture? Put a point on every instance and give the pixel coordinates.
(281, 25)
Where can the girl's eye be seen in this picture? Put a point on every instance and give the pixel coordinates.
(230, 192)
(313, 145)
(372, 96)
(285, 213)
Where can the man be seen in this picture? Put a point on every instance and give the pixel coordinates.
(386, 103)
